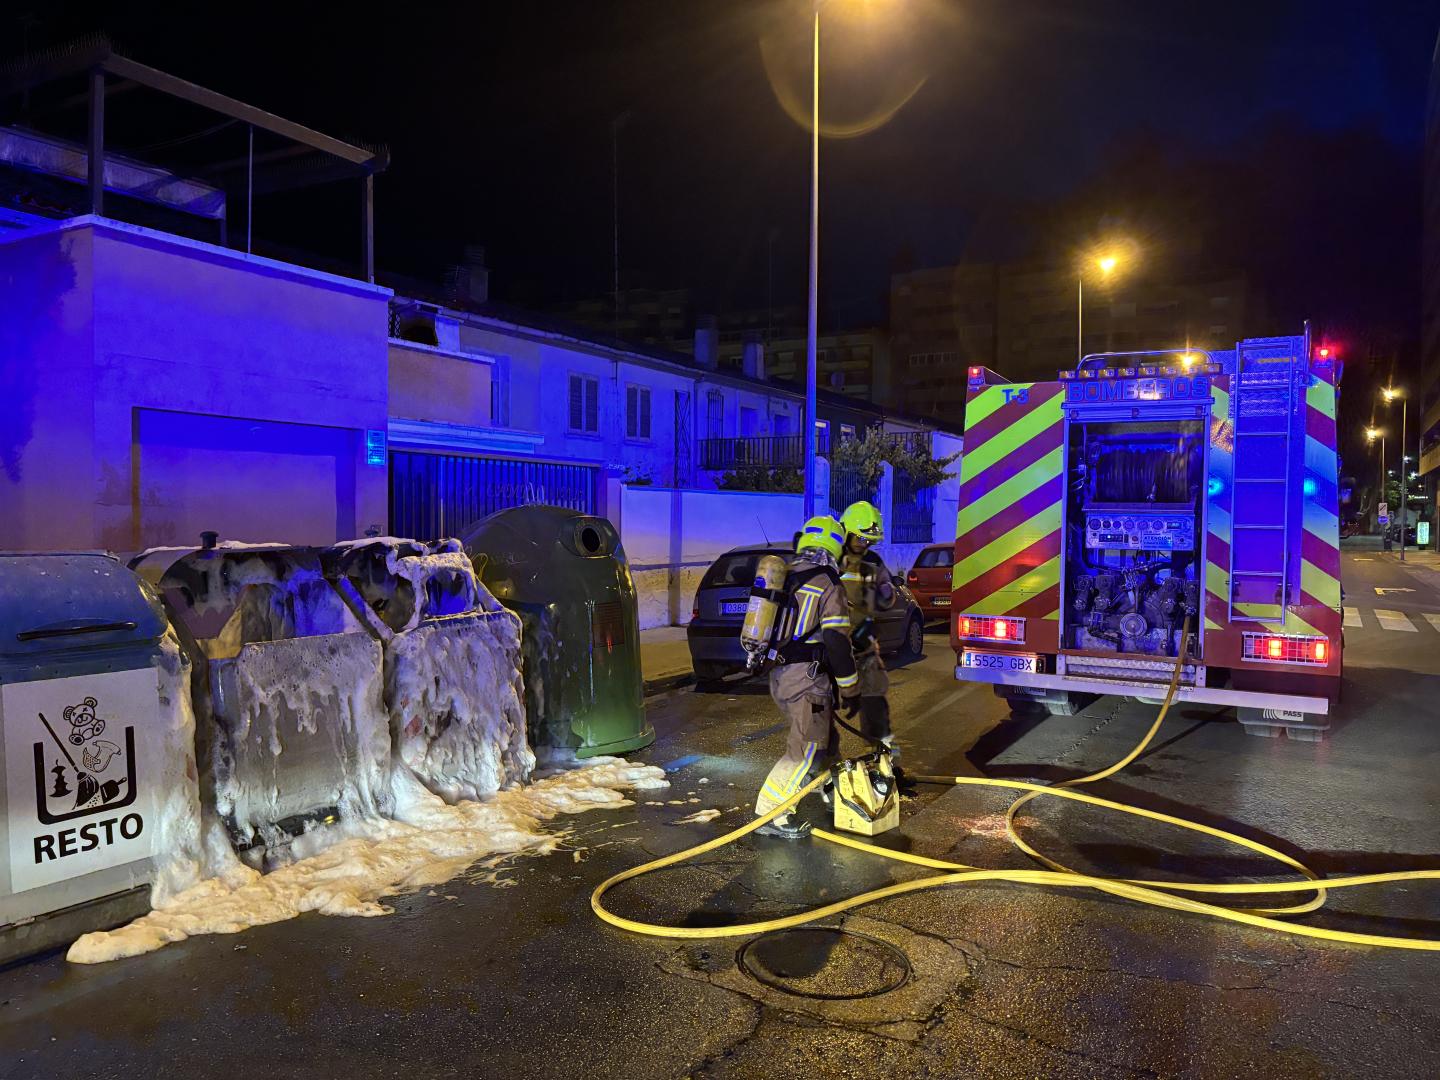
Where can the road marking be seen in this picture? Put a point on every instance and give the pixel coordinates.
(1394, 620)
(1361, 558)
(1381, 592)
(1433, 619)
(943, 703)
(1352, 617)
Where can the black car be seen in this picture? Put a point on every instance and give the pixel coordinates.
(724, 592)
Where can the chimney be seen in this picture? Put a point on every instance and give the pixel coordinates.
(479, 274)
(470, 281)
(752, 361)
(707, 342)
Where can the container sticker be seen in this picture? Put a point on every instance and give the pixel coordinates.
(81, 767)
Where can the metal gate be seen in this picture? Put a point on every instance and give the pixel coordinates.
(438, 495)
(913, 511)
(683, 442)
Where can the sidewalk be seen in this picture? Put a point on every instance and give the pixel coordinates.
(665, 659)
(1426, 558)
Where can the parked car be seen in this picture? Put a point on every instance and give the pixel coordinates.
(930, 580)
(724, 592)
(1393, 533)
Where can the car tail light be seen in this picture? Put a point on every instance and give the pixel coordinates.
(912, 577)
(1286, 649)
(695, 610)
(991, 628)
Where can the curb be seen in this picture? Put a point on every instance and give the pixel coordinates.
(668, 682)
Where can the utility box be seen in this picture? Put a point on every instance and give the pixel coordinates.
(564, 573)
(292, 725)
(97, 741)
(452, 663)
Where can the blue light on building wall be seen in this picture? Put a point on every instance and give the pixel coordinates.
(375, 449)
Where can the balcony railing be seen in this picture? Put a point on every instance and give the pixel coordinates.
(758, 451)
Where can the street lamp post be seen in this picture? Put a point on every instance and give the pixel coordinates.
(1391, 393)
(811, 330)
(1105, 263)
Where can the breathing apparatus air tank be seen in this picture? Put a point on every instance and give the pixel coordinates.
(767, 596)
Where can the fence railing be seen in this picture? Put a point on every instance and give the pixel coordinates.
(764, 451)
(439, 495)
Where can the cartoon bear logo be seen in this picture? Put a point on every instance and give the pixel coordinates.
(84, 724)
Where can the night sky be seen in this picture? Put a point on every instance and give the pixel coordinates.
(1282, 138)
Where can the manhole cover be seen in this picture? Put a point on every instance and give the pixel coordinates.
(821, 962)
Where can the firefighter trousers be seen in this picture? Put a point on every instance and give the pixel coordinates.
(805, 698)
(874, 685)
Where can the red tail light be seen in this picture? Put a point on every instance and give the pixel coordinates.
(912, 577)
(991, 628)
(695, 611)
(1286, 649)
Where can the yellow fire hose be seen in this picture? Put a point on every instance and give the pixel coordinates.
(1156, 893)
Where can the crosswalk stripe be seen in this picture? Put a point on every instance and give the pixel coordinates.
(1352, 617)
(1433, 619)
(1394, 620)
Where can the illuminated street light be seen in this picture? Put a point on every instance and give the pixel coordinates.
(812, 324)
(1105, 262)
(1390, 393)
(1372, 433)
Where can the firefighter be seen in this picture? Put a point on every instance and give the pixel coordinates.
(869, 590)
(814, 663)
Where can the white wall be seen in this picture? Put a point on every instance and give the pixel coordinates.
(672, 535)
(133, 361)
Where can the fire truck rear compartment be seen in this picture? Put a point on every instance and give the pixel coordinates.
(1132, 536)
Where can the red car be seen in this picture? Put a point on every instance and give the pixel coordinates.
(929, 580)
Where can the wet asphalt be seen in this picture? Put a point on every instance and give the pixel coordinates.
(1000, 980)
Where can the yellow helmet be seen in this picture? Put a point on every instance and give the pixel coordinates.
(822, 532)
(862, 519)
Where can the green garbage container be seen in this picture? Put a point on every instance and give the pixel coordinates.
(97, 740)
(564, 573)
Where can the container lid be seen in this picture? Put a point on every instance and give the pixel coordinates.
(61, 601)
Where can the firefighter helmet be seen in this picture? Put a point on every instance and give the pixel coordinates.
(863, 520)
(822, 532)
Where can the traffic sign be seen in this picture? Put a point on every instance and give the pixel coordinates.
(1384, 514)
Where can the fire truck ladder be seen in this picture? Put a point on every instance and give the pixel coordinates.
(1265, 419)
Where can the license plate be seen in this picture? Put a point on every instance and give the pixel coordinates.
(940, 601)
(1000, 661)
(733, 607)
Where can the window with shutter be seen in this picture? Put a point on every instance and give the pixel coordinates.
(584, 404)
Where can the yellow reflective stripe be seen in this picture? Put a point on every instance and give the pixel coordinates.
(976, 461)
(1002, 600)
(794, 781)
(1012, 490)
(847, 680)
(1005, 547)
(986, 402)
(1320, 395)
(835, 620)
(1319, 584)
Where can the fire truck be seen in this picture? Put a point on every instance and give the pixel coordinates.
(1145, 505)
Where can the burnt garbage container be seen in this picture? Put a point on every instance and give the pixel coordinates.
(565, 574)
(292, 727)
(452, 662)
(97, 741)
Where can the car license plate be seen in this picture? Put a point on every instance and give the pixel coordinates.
(733, 607)
(940, 601)
(1000, 661)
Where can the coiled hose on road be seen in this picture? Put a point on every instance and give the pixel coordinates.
(1156, 893)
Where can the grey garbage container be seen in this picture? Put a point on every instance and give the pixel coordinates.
(566, 575)
(97, 740)
(452, 663)
(292, 725)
